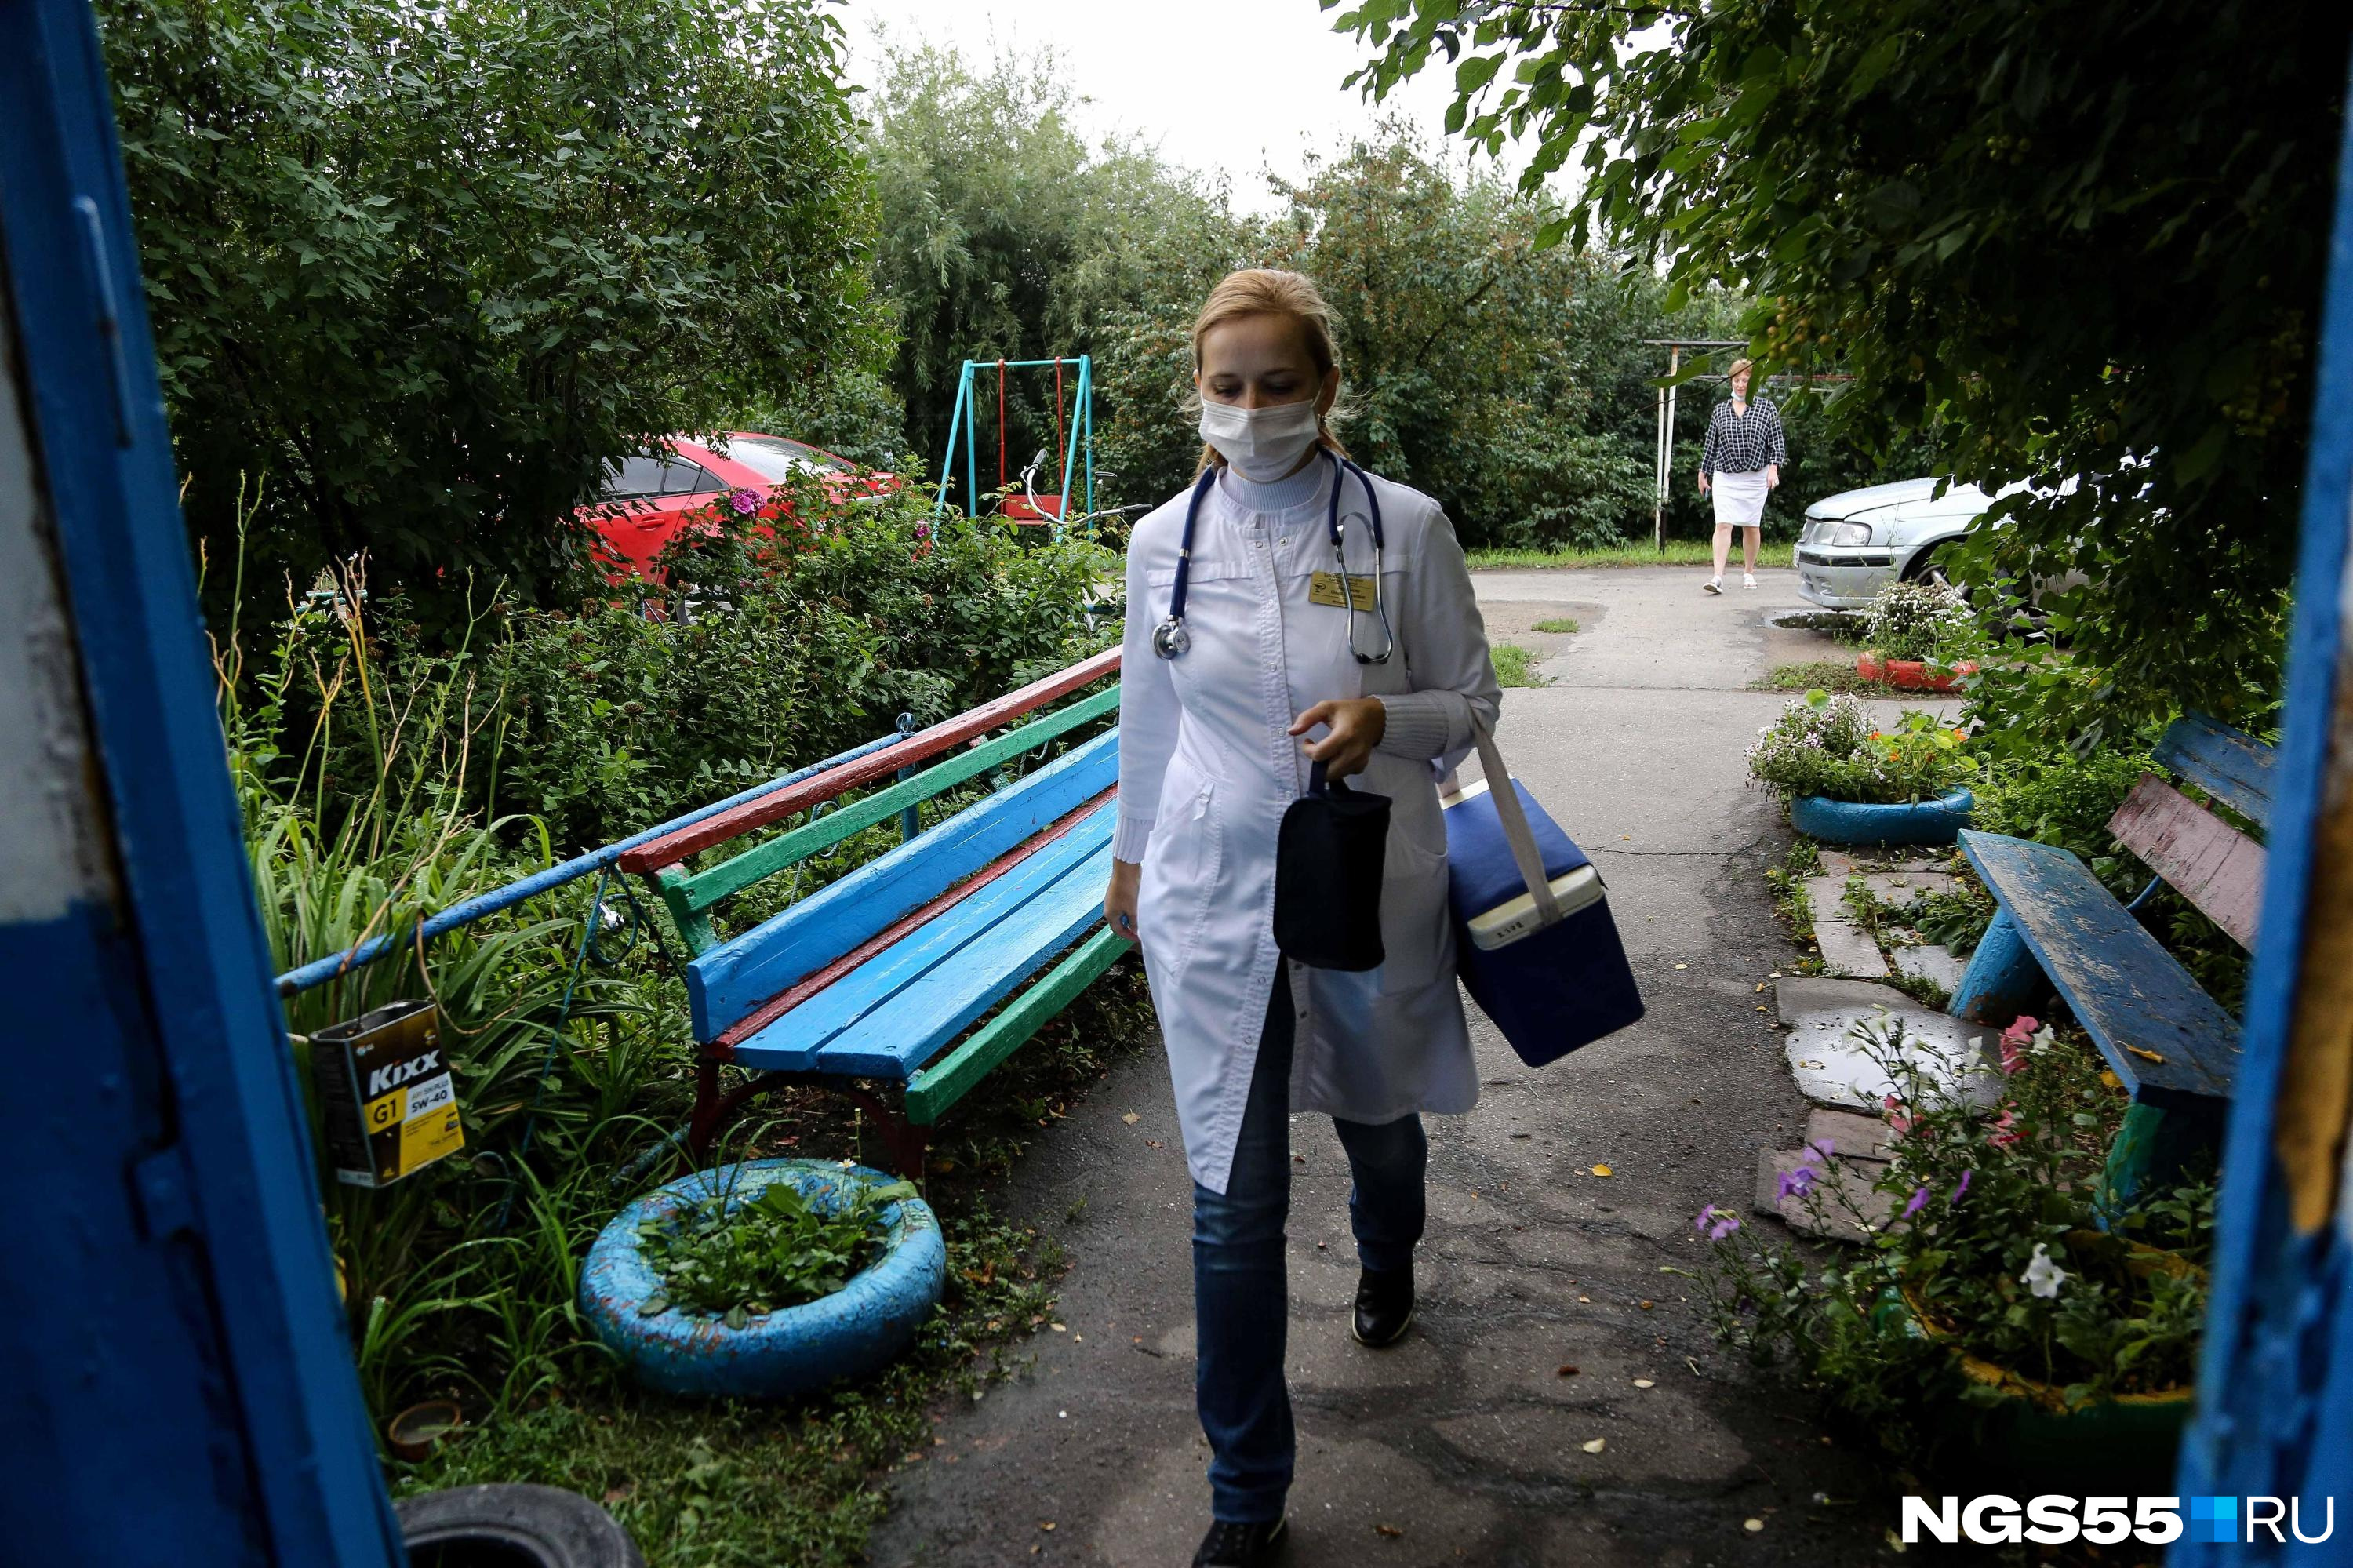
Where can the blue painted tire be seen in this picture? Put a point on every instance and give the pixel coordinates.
(849, 1333)
(1937, 821)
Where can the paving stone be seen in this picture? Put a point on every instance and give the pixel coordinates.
(1847, 947)
(1926, 961)
(1830, 1065)
(1842, 1206)
(1851, 1136)
(1836, 864)
(1899, 889)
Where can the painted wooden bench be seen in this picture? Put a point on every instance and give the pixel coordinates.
(862, 985)
(2174, 1048)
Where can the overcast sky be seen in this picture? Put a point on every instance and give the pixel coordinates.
(1230, 87)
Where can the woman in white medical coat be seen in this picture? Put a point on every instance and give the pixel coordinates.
(1366, 654)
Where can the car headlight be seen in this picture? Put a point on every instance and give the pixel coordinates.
(1850, 533)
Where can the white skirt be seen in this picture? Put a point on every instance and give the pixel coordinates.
(1739, 499)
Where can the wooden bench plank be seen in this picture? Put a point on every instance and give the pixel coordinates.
(2208, 861)
(918, 1019)
(2232, 766)
(817, 979)
(726, 984)
(794, 1041)
(672, 848)
(935, 1088)
(694, 895)
(2125, 989)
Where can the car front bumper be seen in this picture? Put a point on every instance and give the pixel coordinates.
(1847, 578)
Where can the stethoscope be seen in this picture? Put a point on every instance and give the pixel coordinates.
(1170, 639)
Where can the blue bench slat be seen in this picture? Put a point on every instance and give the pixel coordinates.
(918, 1021)
(794, 1041)
(729, 981)
(2124, 987)
(2232, 766)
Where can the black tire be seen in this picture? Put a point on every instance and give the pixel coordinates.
(1934, 565)
(513, 1526)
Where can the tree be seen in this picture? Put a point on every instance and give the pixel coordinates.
(2070, 242)
(1005, 234)
(425, 269)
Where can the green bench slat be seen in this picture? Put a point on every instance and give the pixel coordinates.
(986, 932)
(738, 976)
(690, 897)
(2123, 988)
(2232, 766)
(935, 1088)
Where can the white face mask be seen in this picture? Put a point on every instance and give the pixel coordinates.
(1260, 444)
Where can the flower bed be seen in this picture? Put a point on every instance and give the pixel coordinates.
(1990, 1299)
(1848, 783)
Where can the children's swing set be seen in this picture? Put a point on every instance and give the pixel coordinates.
(1072, 430)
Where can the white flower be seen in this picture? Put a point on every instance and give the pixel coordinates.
(2043, 1039)
(2043, 1278)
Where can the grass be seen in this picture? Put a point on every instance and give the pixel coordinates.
(1559, 625)
(1512, 666)
(1826, 674)
(1678, 553)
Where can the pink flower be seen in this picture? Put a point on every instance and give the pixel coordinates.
(2002, 1135)
(1896, 1117)
(2014, 1042)
(745, 501)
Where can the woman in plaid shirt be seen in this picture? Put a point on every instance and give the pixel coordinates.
(1741, 463)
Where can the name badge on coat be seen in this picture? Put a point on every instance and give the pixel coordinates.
(1323, 588)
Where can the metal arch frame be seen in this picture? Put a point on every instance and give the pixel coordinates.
(2276, 1376)
(964, 418)
(201, 1218)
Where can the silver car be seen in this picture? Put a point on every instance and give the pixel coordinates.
(1857, 541)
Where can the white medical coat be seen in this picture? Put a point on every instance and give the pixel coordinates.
(1206, 770)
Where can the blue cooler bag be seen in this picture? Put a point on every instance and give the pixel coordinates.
(1533, 941)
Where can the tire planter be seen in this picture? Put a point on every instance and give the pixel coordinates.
(1913, 675)
(794, 1351)
(511, 1526)
(2030, 1431)
(1937, 821)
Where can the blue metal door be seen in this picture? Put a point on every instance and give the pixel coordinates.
(175, 1382)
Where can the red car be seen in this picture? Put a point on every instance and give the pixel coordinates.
(647, 500)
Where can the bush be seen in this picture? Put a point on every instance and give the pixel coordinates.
(619, 719)
(1825, 745)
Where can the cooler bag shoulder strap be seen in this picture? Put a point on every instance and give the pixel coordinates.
(1515, 822)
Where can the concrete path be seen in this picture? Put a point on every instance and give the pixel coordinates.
(1469, 1442)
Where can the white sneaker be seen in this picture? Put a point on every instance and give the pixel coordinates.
(1748, 579)
(1712, 585)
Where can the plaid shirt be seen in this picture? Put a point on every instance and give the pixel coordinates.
(1744, 443)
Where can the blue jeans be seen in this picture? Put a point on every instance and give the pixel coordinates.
(1241, 1301)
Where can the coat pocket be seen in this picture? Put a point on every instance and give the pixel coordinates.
(1179, 882)
(1415, 940)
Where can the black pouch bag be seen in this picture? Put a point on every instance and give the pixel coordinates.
(1327, 876)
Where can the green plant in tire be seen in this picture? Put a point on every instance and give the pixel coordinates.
(1825, 745)
(736, 1260)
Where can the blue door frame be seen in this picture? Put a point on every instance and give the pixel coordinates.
(2275, 1390)
(176, 1378)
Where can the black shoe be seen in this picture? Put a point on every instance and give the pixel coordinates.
(1231, 1545)
(1384, 1307)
